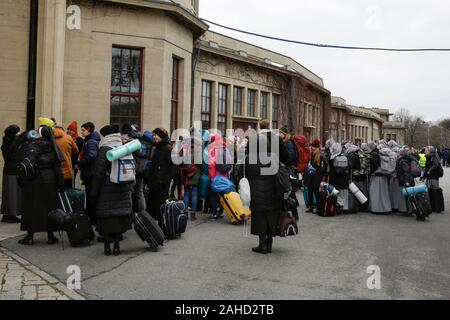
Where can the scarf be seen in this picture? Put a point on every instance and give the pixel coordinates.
(111, 141)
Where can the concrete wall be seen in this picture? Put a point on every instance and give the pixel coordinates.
(14, 30)
(88, 60)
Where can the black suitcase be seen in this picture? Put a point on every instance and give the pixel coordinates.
(437, 200)
(420, 205)
(353, 203)
(175, 218)
(82, 234)
(326, 205)
(148, 229)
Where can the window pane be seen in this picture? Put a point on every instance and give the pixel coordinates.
(115, 81)
(126, 58)
(125, 81)
(116, 59)
(115, 106)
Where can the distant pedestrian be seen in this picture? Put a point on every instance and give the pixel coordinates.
(433, 169)
(340, 175)
(11, 200)
(380, 200)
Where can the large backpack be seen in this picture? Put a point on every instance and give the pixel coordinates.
(123, 171)
(340, 164)
(303, 153)
(364, 160)
(388, 162)
(354, 161)
(26, 161)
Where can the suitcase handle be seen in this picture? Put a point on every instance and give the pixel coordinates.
(62, 202)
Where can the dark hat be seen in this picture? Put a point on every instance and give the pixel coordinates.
(162, 133)
(12, 130)
(284, 130)
(126, 128)
(109, 129)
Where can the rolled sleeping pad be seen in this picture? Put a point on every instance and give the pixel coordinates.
(412, 191)
(32, 134)
(358, 193)
(125, 150)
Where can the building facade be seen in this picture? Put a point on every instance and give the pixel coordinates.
(238, 84)
(356, 124)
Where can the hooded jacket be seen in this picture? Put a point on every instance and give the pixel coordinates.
(88, 155)
(69, 148)
(215, 149)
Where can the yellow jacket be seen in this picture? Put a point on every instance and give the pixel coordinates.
(422, 160)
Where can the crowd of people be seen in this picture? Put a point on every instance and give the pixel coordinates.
(61, 154)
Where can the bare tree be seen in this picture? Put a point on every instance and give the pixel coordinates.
(412, 123)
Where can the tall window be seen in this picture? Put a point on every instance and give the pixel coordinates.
(175, 90)
(264, 105)
(126, 86)
(206, 104)
(275, 111)
(251, 103)
(222, 112)
(237, 101)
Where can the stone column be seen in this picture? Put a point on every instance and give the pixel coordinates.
(51, 49)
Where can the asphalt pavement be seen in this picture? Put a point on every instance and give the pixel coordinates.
(329, 259)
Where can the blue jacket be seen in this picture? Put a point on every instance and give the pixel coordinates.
(90, 153)
(292, 152)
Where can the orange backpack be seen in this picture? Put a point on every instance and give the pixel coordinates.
(303, 153)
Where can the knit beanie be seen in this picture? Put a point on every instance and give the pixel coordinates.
(73, 126)
(284, 130)
(45, 122)
(315, 143)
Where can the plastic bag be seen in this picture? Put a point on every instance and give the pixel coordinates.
(244, 192)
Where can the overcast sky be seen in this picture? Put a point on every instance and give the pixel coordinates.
(419, 82)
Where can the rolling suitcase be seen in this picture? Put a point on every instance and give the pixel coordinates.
(175, 218)
(437, 200)
(77, 199)
(326, 205)
(148, 229)
(420, 205)
(234, 208)
(81, 234)
(353, 203)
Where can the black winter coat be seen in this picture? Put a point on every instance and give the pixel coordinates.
(161, 167)
(89, 154)
(40, 196)
(282, 151)
(113, 200)
(265, 205)
(9, 148)
(404, 171)
(433, 167)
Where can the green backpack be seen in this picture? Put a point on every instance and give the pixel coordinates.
(364, 158)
